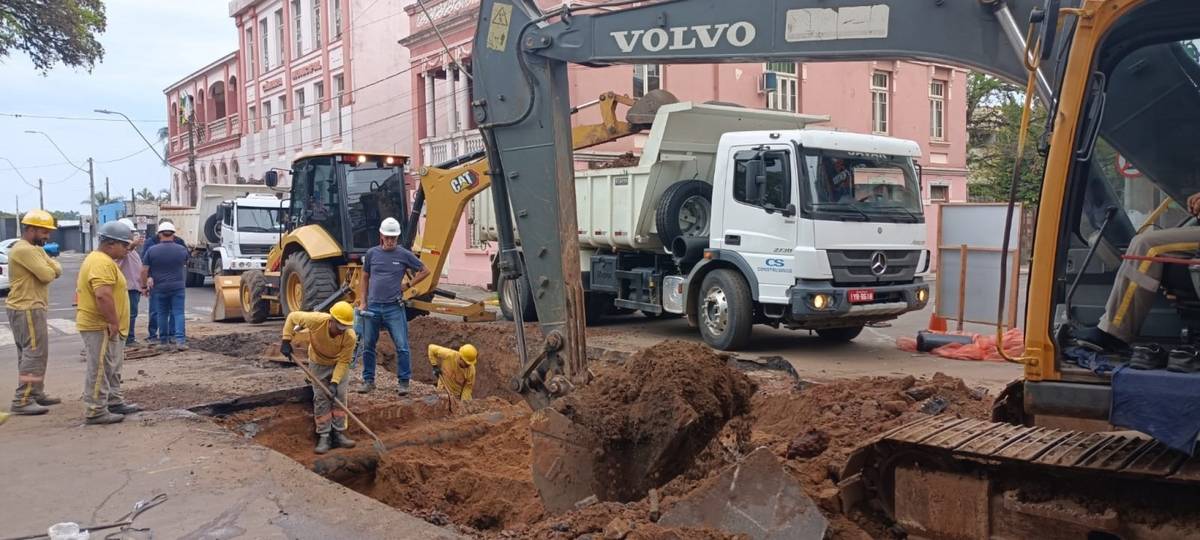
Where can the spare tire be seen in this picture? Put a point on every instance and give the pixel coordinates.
(685, 209)
(212, 229)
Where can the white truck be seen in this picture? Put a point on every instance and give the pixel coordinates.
(735, 217)
(231, 230)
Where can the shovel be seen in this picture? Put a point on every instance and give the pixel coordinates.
(319, 384)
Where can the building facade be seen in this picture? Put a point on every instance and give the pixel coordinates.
(910, 100)
(203, 120)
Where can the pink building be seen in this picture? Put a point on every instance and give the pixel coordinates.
(207, 101)
(910, 100)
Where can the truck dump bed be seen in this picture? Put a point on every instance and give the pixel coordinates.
(189, 221)
(616, 206)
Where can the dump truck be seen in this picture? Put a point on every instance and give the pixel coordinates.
(736, 216)
(1119, 80)
(231, 229)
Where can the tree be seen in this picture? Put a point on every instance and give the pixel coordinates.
(53, 31)
(102, 199)
(163, 135)
(146, 195)
(164, 195)
(993, 126)
(61, 215)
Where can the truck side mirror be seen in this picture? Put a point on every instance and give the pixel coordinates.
(271, 179)
(755, 179)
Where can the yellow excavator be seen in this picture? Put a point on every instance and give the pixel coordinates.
(1121, 82)
(338, 199)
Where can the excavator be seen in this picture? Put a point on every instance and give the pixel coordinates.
(1120, 80)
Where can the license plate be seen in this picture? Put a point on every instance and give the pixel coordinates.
(862, 296)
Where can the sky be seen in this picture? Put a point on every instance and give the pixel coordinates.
(149, 44)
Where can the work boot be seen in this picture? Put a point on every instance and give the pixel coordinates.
(366, 387)
(1185, 359)
(323, 444)
(125, 408)
(342, 441)
(29, 409)
(181, 347)
(1099, 341)
(1151, 356)
(47, 401)
(403, 388)
(107, 418)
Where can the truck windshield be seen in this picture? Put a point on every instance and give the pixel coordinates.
(258, 220)
(373, 193)
(857, 186)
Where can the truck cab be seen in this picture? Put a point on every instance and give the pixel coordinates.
(827, 228)
(249, 227)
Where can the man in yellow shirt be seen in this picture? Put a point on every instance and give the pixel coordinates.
(331, 343)
(454, 370)
(103, 321)
(31, 272)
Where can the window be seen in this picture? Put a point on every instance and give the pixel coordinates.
(283, 109)
(316, 23)
(783, 98)
(252, 118)
(268, 118)
(857, 186)
(937, 110)
(339, 87)
(646, 77)
(880, 92)
(266, 45)
(250, 52)
(297, 34)
(319, 93)
(939, 194)
(776, 191)
(279, 36)
(300, 103)
(337, 18)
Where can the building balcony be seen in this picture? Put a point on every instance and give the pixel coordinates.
(443, 148)
(217, 131)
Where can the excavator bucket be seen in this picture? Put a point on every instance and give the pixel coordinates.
(564, 457)
(227, 306)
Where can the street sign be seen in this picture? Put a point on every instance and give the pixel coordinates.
(87, 225)
(1126, 168)
(141, 223)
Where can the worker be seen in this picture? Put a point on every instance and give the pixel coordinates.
(131, 268)
(454, 370)
(841, 186)
(1136, 288)
(330, 346)
(30, 272)
(164, 274)
(381, 293)
(103, 322)
(152, 315)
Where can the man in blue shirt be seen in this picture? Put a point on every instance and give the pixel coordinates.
(151, 305)
(164, 271)
(381, 293)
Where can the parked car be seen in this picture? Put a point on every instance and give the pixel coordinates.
(52, 248)
(3, 274)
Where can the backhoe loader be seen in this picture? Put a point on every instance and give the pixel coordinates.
(1121, 82)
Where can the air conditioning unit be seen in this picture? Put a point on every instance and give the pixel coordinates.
(768, 82)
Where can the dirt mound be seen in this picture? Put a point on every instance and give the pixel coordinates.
(240, 344)
(655, 413)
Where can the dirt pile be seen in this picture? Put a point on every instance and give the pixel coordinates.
(655, 413)
(250, 345)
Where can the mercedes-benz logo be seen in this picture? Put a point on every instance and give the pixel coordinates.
(879, 263)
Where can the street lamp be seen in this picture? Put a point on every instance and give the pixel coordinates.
(142, 135)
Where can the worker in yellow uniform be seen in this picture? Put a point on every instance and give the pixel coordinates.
(103, 323)
(331, 343)
(30, 273)
(454, 370)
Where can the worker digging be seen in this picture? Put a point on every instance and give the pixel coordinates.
(331, 342)
(454, 370)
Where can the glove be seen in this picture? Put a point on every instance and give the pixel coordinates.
(285, 348)
(437, 372)
(333, 388)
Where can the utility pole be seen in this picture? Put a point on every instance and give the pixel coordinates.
(41, 195)
(107, 195)
(92, 203)
(191, 156)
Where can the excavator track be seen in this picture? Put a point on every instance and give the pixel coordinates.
(948, 477)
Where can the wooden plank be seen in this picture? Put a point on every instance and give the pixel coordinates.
(962, 285)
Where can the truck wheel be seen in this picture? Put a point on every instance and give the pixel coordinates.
(840, 335)
(507, 291)
(212, 229)
(193, 279)
(726, 310)
(685, 209)
(596, 307)
(306, 283)
(255, 309)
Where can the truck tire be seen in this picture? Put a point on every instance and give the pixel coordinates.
(685, 209)
(305, 283)
(193, 280)
(255, 308)
(212, 229)
(507, 291)
(840, 335)
(725, 310)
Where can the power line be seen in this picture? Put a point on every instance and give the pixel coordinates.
(73, 118)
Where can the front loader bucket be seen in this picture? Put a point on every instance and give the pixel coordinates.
(564, 460)
(227, 306)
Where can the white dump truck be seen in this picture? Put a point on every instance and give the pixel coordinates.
(735, 217)
(231, 230)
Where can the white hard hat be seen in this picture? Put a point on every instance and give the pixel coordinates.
(128, 222)
(389, 227)
(166, 226)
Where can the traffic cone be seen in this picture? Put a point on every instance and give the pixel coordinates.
(937, 324)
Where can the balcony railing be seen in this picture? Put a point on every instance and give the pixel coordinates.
(443, 148)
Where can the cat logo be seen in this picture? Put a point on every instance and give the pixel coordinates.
(464, 181)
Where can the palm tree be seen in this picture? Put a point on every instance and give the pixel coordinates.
(102, 199)
(146, 195)
(164, 195)
(163, 135)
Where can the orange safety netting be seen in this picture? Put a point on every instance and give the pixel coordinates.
(982, 347)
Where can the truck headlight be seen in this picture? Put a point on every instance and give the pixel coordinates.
(821, 301)
(922, 295)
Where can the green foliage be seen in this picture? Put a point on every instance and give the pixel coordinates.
(102, 199)
(53, 31)
(61, 215)
(994, 124)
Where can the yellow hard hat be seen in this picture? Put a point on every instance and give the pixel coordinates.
(343, 313)
(468, 353)
(39, 218)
